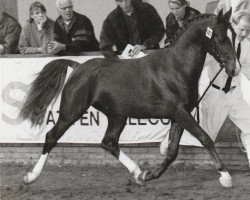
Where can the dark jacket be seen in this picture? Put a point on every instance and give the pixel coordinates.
(115, 31)
(10, 31)
(79, 38)
(172, 25)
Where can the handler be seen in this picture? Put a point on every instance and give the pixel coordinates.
(224, 99)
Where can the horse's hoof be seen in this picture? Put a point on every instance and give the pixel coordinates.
(226, 180)
(141, 179)
(141, 183)
(30, 178)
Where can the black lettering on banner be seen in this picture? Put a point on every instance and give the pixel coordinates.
(165, 121)
(130, 121)
(50, 118)
(152, 122)
(141, 123)
(95, 119)
(84, 118)
(88, 119)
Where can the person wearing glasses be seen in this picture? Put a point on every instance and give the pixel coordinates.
(181, 12)
(73, 32)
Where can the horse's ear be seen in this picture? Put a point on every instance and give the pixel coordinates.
(228, 14)
(220, 14)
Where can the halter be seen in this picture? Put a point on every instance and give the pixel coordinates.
(210, 34)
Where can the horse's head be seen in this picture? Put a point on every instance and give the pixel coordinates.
(219, 44)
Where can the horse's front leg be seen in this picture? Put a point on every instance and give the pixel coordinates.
(174, 138)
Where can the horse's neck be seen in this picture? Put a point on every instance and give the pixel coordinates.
(192, 48)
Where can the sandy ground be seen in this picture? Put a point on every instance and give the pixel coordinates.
(115, 183)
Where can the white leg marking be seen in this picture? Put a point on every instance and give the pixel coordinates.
(226, 179)
(32, 176)
(130, 164)
(164, 145)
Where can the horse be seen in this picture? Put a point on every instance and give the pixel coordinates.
(163, 84)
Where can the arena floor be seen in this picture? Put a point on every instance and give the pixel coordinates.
(115, 183)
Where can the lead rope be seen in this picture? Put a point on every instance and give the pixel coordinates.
(198, 102)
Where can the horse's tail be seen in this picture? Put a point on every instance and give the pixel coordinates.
(46, 87)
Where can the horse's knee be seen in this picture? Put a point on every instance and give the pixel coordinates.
(110, 147)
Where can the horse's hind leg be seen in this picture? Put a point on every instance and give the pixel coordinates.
(116, 125)
(51, 140)
(70, 112)
(175, 134)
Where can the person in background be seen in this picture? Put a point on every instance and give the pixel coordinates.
(74, 32)
(37, 32)
(10, 31)
(181, 12)
(132, 22)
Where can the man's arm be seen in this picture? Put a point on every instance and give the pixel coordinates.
(157, 28)
(107, 41)
(12, 38)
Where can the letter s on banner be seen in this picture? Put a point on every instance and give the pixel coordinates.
(17, 103)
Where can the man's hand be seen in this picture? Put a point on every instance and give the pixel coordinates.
(2, 50)
(55, 47)
(137, 49)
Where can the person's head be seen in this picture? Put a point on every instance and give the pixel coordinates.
(241, 24)
(65, 9)
(37, 12)
(177, 7)
(125, 5)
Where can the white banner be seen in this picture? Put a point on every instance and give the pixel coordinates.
(18, 73)
(16, 76)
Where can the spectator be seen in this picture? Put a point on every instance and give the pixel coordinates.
(134, 23)
(181, 12)
(9, 33)
(37, 32)
(74, 32)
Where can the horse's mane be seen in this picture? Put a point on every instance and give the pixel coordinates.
(186, 25)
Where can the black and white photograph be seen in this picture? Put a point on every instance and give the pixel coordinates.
(125, 99)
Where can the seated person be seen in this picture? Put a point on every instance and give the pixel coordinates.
(74, 32)
(10, 31)
(181, 12)
(37, 32)
(134, 23)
